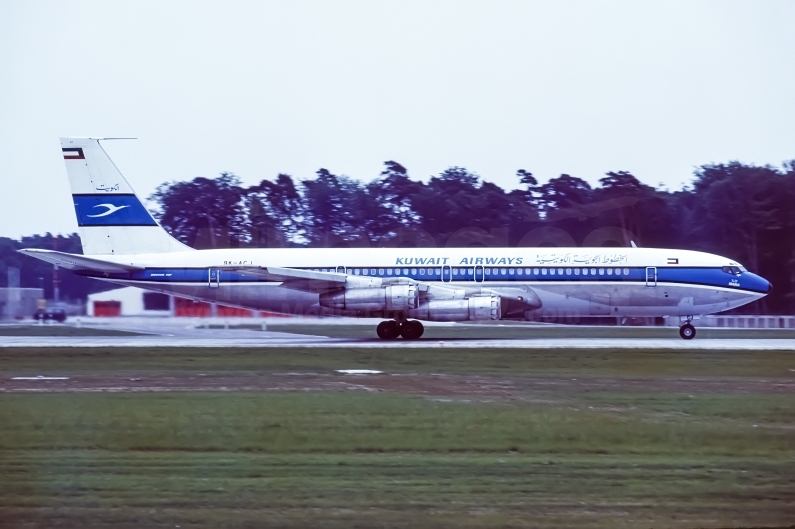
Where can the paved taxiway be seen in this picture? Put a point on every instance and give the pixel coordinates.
(181, 333)
(210, 338)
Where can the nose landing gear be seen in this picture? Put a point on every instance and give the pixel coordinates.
(391, 329)
(687, 331)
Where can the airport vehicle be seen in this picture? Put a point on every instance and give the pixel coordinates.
(46, 314)
(124, 244)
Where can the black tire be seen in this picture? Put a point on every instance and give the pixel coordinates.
(412, 330)
(687, 331)
(388, 330)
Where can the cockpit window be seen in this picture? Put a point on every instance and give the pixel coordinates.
(733, 270)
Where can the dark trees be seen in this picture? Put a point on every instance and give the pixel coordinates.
(740, 211)
(205, 212)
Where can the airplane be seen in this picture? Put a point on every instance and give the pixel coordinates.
(124, 244)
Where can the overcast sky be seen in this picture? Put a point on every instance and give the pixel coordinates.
(258, 88)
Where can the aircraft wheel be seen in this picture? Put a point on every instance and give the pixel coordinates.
(412, 330)
(687, 331)
(388, 330)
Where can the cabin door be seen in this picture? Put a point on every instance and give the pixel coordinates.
(447, 274)
(213, 278)
(651, 276)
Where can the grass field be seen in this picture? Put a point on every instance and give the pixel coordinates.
(59, 330)
(505, 438)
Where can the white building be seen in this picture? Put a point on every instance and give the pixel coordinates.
(129, 301)
(132, 301)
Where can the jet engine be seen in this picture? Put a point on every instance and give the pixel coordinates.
(473, 309)
(395, 297)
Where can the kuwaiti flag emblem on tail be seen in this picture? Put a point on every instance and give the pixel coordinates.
(73, 153)
(673, 260)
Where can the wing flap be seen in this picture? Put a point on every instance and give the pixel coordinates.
(79, 262)
(304, 280)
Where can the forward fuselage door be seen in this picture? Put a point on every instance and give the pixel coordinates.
(341, 270)
(213, 277)
(447, 274)
(651, 276)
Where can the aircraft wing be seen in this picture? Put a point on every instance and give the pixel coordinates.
(79, 262)
(304, 280)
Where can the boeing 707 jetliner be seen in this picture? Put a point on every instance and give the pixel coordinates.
(124, 244)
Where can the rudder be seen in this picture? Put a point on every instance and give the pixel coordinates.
(110, 216)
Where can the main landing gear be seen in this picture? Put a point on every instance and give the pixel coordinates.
(408, 329)
(687, 331)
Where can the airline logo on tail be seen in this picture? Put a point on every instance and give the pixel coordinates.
(111, 210)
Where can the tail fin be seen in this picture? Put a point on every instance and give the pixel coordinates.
(111, 218)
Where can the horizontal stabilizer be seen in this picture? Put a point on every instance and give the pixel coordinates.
(79, 262)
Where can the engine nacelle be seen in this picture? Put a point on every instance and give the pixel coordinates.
(472, 309)
(396, 297)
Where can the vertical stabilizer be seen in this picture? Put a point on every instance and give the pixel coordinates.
(111, 218)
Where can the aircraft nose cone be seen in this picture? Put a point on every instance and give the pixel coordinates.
(769, 287)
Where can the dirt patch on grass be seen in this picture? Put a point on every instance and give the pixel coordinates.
(439, 385)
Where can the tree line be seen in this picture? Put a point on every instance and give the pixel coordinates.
(741, 211)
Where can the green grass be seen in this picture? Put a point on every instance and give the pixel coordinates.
(59, 330)
(607, 362)
(75, 488)
(348, 423)
(637, 454)
(342, 460)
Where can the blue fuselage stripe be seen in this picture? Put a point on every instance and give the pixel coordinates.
(664, 275)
